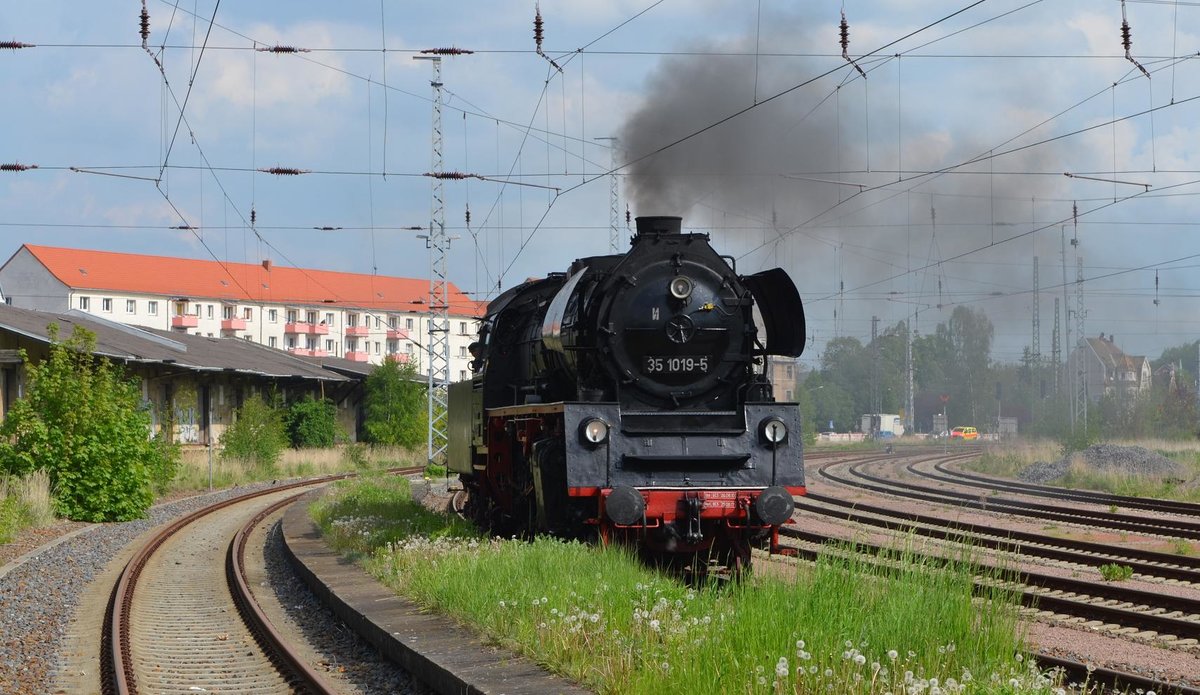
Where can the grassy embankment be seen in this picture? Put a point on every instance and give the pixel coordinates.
(1011, 459)
(24, 502)
(27, 502)
(603, 619)
(292, 463)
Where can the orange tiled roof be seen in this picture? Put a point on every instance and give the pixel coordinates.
(243, 282)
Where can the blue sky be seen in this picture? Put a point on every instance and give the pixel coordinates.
(787, 156)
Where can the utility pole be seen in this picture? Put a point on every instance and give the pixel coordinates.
(876, 401)
(1036, 348)
(614, 217)
(908, 379)
(438, 315)
(1081, 375)
(1056, 347)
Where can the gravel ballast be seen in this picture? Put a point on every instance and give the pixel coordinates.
(1134, 461)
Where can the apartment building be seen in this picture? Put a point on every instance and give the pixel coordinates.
(313, 313)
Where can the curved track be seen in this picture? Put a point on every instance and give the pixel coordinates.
(182, 618)
(1120, 522)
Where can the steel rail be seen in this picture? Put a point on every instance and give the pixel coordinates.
(118, 670)
(1098, 518)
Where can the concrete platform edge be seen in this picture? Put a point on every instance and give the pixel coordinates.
(323, 570)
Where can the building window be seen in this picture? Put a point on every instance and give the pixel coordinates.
(209, 313)
(393, 346)
(291, 316)
(311, 317)
(376, 347)
(377, 324)
(462, 350)
(106, 304)
(310, 342)
(248, 314)
(789, 374)
(227, 312)
(85, 303)
(351, 344)
(408, 323)
(408, 348)
(329, 346)
(273, 341)
(152, 307)
(130, 306)
(351, 320)
(197, 312)
(462, 375)
(392, 322)
(291, 342)
(462, 327)
(272, 315)
(329, 318)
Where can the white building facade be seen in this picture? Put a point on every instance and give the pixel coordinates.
(309, 313)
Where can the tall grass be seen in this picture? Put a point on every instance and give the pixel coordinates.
(193, 472)
(24, 502)
(600, 617)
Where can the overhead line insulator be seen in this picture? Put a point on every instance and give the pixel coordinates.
(452, 51)
(326, 229)
(183, 226)
(17, 166)
(285, 171)
(845, 40)
(144, 25)
(14, 45)
(453, 175)
(281, 49)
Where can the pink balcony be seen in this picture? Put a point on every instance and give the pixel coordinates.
(397, 334)
(308, 352)
(228, 325)
(402, 358)
(185, 321)
(357, 331)
(357, 355)
(303, 328)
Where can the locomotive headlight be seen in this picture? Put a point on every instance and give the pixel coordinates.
(774, 431)
(594, 431)
(681, 287)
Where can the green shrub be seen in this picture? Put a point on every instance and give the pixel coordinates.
(396, 405)
(257, 434)
(312, 423)
(82, 421)
(1115, 573)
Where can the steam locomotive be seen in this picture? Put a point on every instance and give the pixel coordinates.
(628, 399)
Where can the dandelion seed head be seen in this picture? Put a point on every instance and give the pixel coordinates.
(893, 654)
(859, 659)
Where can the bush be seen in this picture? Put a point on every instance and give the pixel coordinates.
(82, 422)
(396, 405)
(312, 423)
(257, 434)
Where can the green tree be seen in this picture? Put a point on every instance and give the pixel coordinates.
(311, 423)
(257, 434)
(396, 410)
(82, 421)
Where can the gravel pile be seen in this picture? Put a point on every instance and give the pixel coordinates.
(1134, 461)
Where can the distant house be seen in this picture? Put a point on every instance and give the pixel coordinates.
(191, 384)
(784, 375)
(1107, 371)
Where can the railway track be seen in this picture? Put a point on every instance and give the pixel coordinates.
(957, 477)
(182, 617)
(859, 478)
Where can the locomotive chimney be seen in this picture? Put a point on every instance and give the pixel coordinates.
(659, 225)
